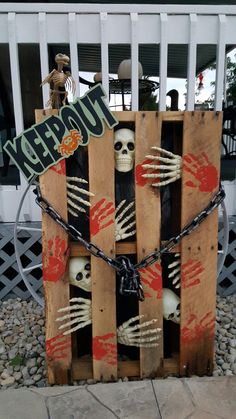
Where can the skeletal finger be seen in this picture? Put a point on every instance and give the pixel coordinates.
(145, 333)
(73, 205)
(142, 325)
(80, 326)
(78, 198)
(176, 160)
(77, 321)
(173, 264)
(121, 215)
(163, 151)
(123, 236)
(80, 190)
(75, 214)
(76, 316)
(80, 300)
(173, 168)
(122, 223)
(174, 272)
(122, 203)
(146, 340)
(76, 179)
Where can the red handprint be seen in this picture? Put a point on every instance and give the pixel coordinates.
(203, 171)
(59, 168)
(153, 279)
(55, 262)
(105, 350)
(191, 271)
(194, 331)
(140, 171)
(98, 213)
(56, 346)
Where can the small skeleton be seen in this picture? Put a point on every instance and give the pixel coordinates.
(73, 207)
(79, 315)
(168, 168)
(61, 82)
(174, 268)
(121, 220)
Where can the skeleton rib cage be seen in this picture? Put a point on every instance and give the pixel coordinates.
(189, 139)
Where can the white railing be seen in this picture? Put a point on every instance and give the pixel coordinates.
(106, 24)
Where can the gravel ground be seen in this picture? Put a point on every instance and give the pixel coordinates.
(22, 343)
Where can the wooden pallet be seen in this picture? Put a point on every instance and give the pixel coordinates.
(194, 133)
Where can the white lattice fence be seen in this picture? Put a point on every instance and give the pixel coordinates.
(227, 278)
(29, 242)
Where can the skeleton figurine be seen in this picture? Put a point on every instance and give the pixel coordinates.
(171, 306)
(60, 81)
(124, 150)
(168, 168)
(79, 313)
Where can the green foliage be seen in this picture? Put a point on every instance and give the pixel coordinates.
(17, 360)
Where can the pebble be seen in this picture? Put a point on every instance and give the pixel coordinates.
(8, 381)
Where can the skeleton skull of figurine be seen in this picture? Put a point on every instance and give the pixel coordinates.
(124, 149)
(80, 273)
(171, 306)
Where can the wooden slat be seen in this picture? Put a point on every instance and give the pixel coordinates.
(124, 116)
(172, 116)
(101, 180)
(82, 368)
(202, 133)
(125, 248)
(147, 134)
(55, 279)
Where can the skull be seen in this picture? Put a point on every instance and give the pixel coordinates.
(171, 306)
(124, 149)
(80, 273)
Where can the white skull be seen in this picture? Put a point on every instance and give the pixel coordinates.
(80, 273)
(171, 306)
(124, 149)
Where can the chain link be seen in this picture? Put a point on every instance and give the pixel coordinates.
(130, 277)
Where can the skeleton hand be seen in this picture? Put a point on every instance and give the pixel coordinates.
(79, 314)
(122, 228)
(98, 213)
(205, 176)
(131, 334)
(71, 184)
(170, 170)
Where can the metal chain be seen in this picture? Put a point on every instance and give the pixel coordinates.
(130, 277)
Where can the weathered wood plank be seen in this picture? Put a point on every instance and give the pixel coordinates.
(200, 181)
(55, 279)
(102, 232)
(123, 248)
(147, 134)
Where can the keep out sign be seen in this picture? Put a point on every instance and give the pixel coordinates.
(45, 144)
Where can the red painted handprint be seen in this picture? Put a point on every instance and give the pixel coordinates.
(54, 261)
(193, 331)
(153, 279)
(56, 347)
(104, 349)
(59, 168)
(140, 171)
(99, 213)
(204, 173)
(190, 275)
